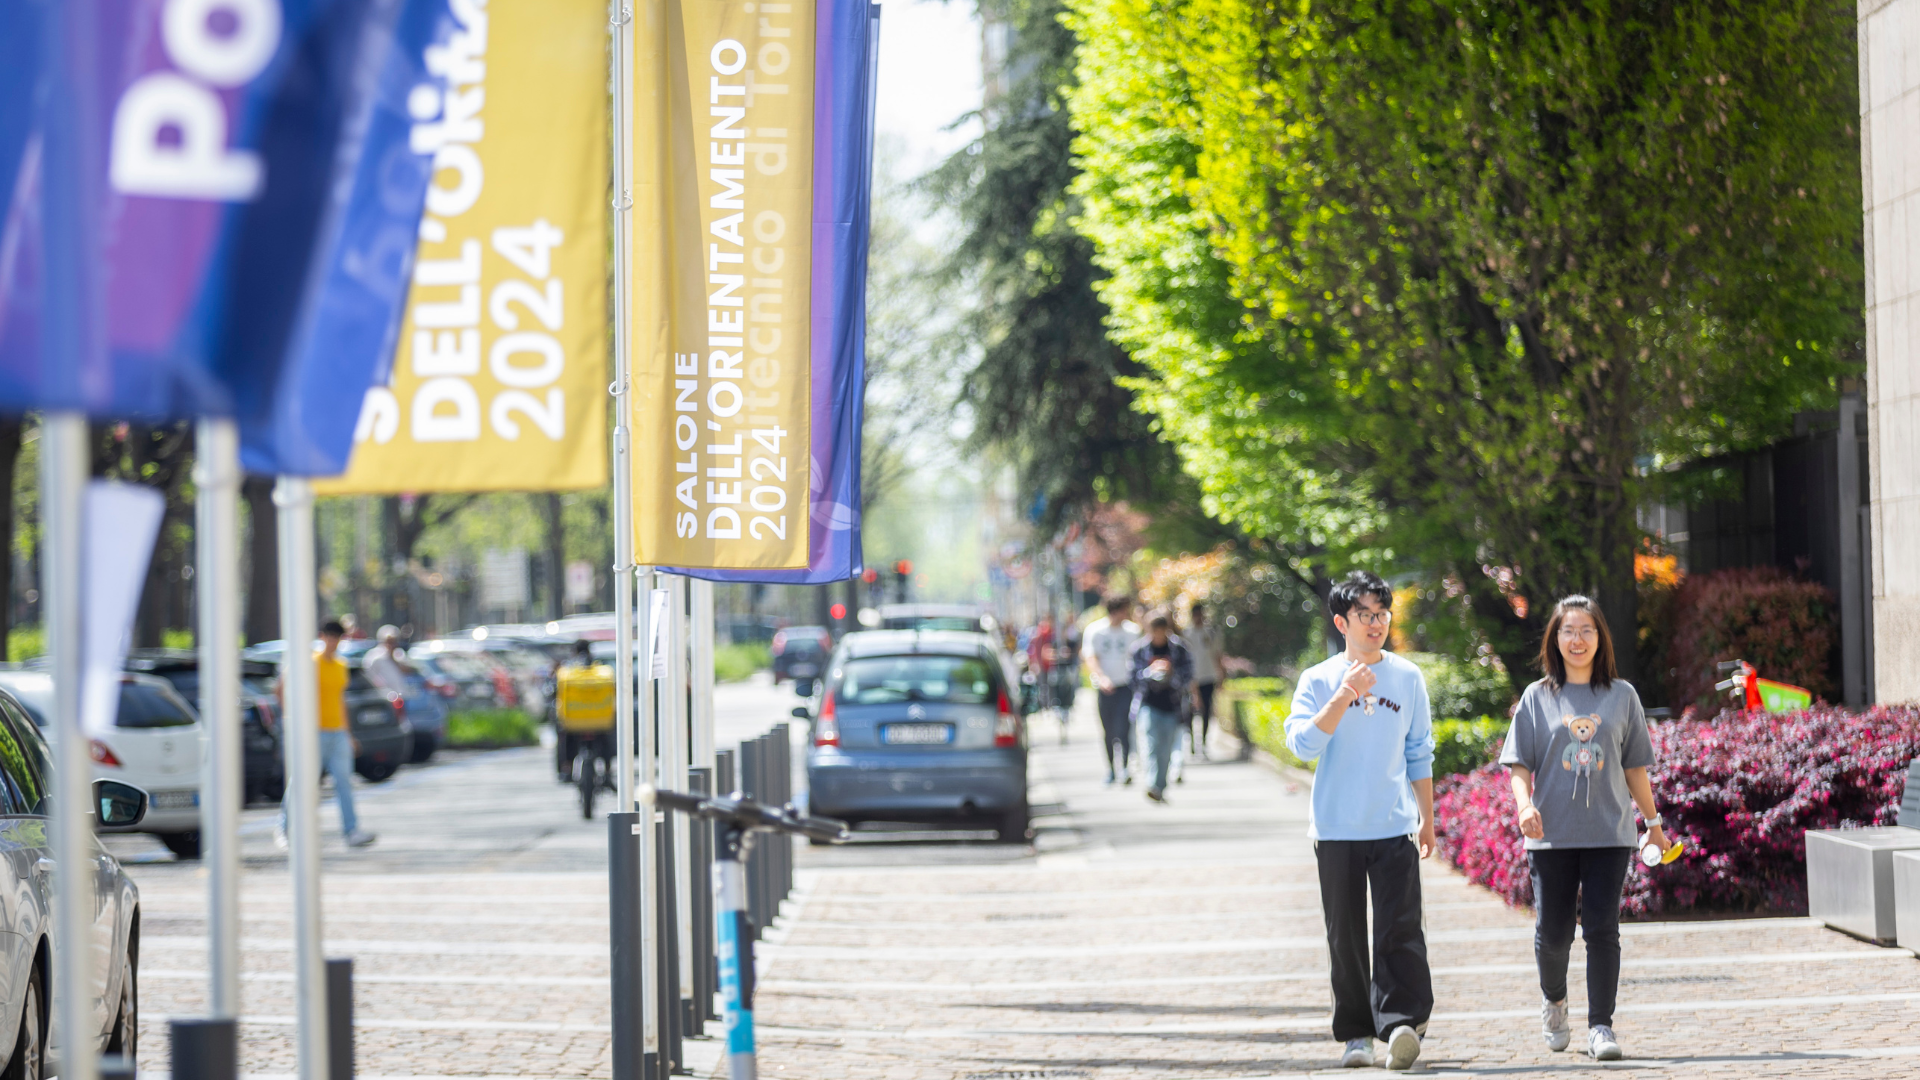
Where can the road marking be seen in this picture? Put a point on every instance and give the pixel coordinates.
(1319, 1023)
(1063, 894)
(1687, 962)
(1210, 947)
(391, 917)
(551, 1027)
(1021, 921)
(361, 977)
(409, 948)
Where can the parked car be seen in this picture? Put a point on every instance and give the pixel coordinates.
(934, 617)
(919, 726)
(28, 1039)
(156, 745)
(800, 652)
(377, 718)
(265, 773)
(479, 681)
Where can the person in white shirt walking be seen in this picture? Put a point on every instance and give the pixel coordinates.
(1108, 656)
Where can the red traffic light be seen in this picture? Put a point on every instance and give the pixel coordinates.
(838, 611)
(903, 567)
(870, 576)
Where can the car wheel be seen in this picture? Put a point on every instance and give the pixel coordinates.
(184, 845)
(1013, 826)
(126, 1022)
(29, 1060)
(376, 771)
(423, 748)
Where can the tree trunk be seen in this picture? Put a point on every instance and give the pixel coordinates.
(263, 560)
(1619, 600)
(556, 558)
(10, 430)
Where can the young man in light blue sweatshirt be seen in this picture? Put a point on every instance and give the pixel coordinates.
(1363, 715)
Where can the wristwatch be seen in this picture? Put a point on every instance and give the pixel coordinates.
(1657, 821)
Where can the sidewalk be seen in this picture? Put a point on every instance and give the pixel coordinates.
(1186, 941)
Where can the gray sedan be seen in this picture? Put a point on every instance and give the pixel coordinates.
(919, 726)
(26, 909)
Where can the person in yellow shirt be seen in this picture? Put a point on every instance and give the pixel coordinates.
(336, 740)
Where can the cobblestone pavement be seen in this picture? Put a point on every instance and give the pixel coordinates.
(1186, 941)
(1129, 940)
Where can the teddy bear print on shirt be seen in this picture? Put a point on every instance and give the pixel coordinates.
(1583, 757)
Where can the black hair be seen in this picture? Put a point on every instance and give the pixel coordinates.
(1118, 602)
(1342, 597)
(1160, 620)
(333, 628)
(1555, 665)
(1196, 607)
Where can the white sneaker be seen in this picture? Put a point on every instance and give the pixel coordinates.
(1602, 1045)
(1359, 1054)
(1403, 1048)
(279, 838)
(360, 838)
(1553, 1023)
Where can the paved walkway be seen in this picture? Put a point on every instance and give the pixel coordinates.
(1187, 941)
(1133, 940)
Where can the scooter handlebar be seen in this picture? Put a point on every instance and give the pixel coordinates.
(746, 813)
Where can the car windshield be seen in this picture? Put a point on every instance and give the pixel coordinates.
(464, 665)
(878, 680)
(143, 705)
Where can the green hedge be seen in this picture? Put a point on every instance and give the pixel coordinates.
(732, 663)
(1463, 687)
(491, 728)
(1461, 746)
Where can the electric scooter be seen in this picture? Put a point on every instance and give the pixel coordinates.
(739, 817)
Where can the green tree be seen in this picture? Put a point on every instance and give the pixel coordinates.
(1436, 282)
(1043, 392)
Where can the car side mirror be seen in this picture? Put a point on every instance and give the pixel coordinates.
(118, 804)
(800, 712)
(803, 687)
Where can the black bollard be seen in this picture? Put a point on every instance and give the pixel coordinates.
(668, 954)
(700, 868)
(116, 1067)
(204, 1049)
(630, 1059)
(339, 1019)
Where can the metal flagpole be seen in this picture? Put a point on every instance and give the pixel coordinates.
(300, 735)
(649, 858)
(63, 481)
(673, 772)
(634, 739)
(702, 661)
(216, 533)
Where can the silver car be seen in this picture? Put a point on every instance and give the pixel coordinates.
(26, 908)
(920, 726)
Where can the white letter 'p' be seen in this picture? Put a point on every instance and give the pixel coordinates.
(196, 166)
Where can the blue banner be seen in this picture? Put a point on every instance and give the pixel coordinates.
(214, 212)
(845, 79)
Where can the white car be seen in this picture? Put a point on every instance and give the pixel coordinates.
(157, 744)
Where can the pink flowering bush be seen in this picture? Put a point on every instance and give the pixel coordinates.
(1741, 789)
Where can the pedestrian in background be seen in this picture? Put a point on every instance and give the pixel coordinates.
(1108, 656)
(1203, 641)
(1162, 673)
(1577, 754)
(336, 740)
(1363, 715)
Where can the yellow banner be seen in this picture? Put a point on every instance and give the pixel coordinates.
(500, 378)
(722, 241)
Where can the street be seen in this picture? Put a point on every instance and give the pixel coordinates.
(1130, 940)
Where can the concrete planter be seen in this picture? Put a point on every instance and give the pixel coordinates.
(1850, 878)
(1906, 898)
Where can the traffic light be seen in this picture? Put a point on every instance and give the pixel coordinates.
(902, 573)
(904, 567)
(870, 576)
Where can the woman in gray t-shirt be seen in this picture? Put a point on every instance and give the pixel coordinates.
(1578, 754)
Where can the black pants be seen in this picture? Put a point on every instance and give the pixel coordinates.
(1587, 881)
(1116, 727)
(1370, 1000)
(1204, 711)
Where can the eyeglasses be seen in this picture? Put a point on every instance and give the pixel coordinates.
(1370, 618)
(1579, 633)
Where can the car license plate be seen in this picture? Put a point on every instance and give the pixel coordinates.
(803, 671)
(916, 734)
(176, 800)
(370, 717)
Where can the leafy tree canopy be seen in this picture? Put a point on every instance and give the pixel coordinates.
(1436, 283)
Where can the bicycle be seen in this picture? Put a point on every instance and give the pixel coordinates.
(593, 768)
(739, 817)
